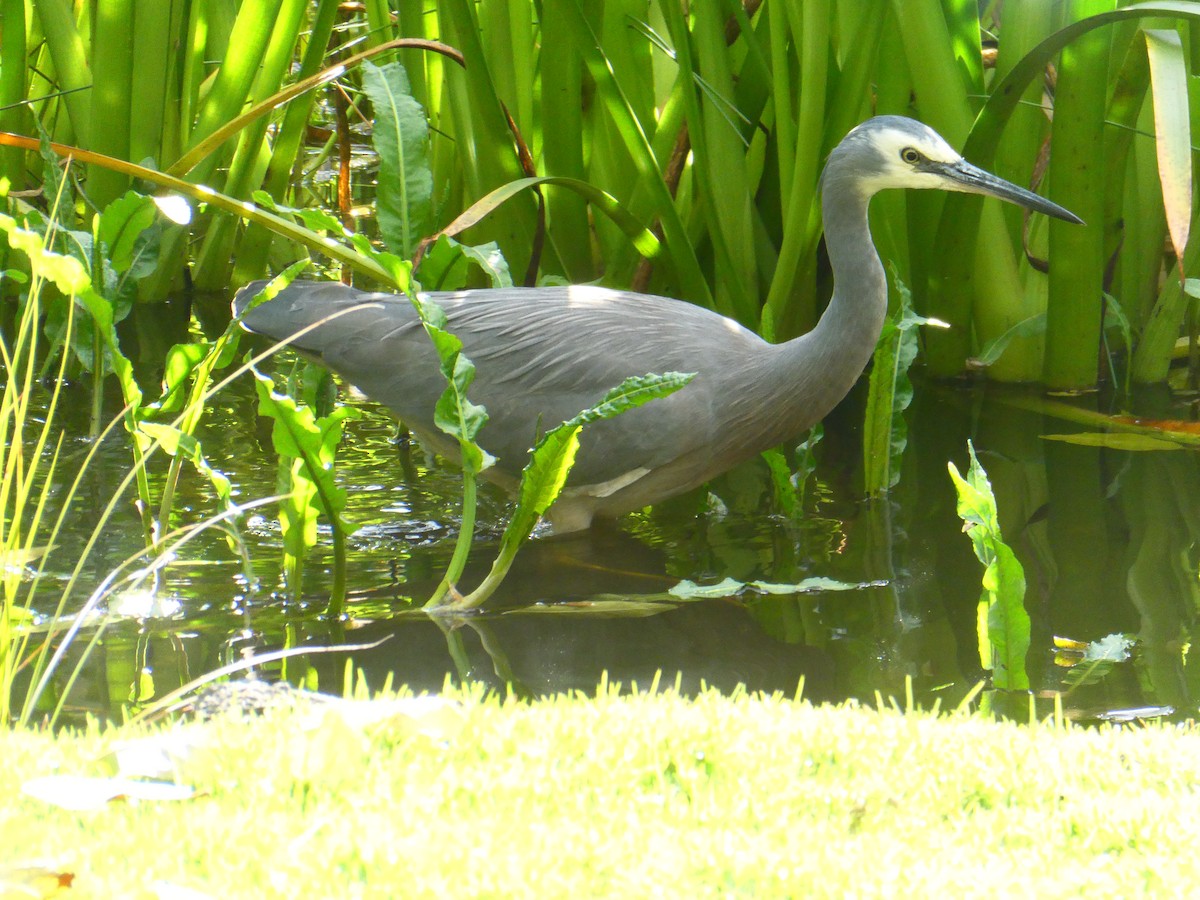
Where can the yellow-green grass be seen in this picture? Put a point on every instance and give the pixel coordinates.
(632, 796)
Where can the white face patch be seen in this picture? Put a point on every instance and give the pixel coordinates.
(895, 171)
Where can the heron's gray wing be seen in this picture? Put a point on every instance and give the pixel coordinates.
(541, 356)
(374, 340)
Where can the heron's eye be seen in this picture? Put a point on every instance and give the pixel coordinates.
(910, 155)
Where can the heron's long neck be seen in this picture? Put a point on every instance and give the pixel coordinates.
(823, 365)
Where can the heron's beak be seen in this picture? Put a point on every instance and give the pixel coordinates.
(962, 176)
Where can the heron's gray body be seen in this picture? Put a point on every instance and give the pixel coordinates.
(544, 354)
(726, 414)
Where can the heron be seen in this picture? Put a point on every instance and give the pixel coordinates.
(543, 354)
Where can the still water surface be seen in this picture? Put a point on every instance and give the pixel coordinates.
(1110, 542)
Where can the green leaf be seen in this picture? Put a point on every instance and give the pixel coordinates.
(404, 200)
(543, 479)
(1098, 659)
(1004, 627)
(632, 393)
(179, 443)
(786, 496)
(689, 590)
(808, 585)
(312, 442)
(885, 433)
(1172, 130)
(545, 475)
(552, 458)
(181, 361)
(121, 226)
(730, 587)
(641, 236)
(313, 217)
(67, 273)
(1116, 440)
(601, 606)
(993, 350)
(447, 265)
(455, 414)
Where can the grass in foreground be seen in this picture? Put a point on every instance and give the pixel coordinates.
(630, 796)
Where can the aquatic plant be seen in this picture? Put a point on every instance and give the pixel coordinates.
(1003, 621)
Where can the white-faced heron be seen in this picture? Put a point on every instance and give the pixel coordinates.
(544, 354)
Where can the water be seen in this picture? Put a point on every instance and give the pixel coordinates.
(1108, 539)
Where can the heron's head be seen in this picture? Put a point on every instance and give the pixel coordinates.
(896, 152)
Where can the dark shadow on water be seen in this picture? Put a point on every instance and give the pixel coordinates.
(584, 607)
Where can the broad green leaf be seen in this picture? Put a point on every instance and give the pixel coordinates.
(631, 393)
(101, 312)
(307, 482)
(786, 495)
(808, 585)
(1112, 648)
(272, 288)
(399, 271)
(71, 278)
(689, 590)
(1004, 627)
(489, 258)
(122, 224)
(548, 468)
(313, 217)
(454, 413)
(885, 433)
(181, 361)
(550, 462)
(1096, 660)
(446, 265)
(168, 437)
(404, 200)
(543, 478)
(298, 433)
(791, 487)
(67, 273)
